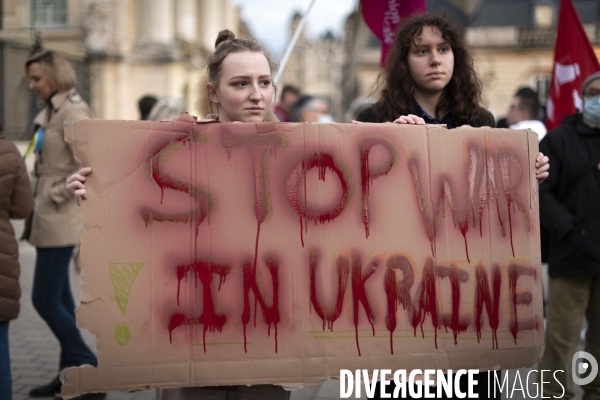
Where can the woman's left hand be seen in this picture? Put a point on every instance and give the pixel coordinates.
(542, 165)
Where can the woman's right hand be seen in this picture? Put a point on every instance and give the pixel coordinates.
(75, 184)
(410, 119)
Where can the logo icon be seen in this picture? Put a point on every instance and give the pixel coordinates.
(583, 363)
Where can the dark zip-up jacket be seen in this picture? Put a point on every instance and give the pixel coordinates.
(570, 198)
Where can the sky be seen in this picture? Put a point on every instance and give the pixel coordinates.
(269, 19)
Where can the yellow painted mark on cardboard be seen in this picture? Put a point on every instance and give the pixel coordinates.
(123, 275)
(122, 334)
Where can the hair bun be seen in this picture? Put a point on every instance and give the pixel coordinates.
(224, 36)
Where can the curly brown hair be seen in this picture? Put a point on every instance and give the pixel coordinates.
(462, 94)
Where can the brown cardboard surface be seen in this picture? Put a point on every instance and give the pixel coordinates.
(219, 254)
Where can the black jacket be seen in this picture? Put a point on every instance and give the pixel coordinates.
(570, 198)
(487, 119)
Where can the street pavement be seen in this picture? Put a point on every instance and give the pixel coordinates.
(34, 351)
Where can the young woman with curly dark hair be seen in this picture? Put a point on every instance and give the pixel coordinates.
(429, 78)
(429, 75)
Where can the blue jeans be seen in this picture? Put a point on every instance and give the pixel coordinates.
(52, 299)
(5, 378)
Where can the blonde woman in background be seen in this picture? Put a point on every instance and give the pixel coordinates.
(56, 226)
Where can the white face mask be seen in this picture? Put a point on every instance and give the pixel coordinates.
(591, 109)
(324, 119)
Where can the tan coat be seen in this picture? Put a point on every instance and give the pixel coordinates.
(56, 218)
(16, 201)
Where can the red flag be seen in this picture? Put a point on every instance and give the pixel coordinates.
(382, 17)
(574, 60)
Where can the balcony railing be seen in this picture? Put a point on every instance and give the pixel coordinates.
(536, 36)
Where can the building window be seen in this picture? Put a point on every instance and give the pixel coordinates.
(45, 13)
(544, 15)
(541, 83)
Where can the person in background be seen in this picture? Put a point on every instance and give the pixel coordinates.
(166, 108)
(145, 104)
(311, 109)
(240, 89)
(357, 106)
(524, 111)
(283, 110)
(570, 214)
(16, 201)
(56, 226)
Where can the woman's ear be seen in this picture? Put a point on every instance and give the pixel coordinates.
(212, 93)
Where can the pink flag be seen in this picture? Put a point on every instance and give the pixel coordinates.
(574, 60)
(382, 17)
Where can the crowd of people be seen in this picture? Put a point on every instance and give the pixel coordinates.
(429, 79)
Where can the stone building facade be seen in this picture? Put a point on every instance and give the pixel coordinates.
(315, 67)
(513, 43)
(361, 65)
(122, 50)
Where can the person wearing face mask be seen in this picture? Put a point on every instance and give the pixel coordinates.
(570, 213)
(311, 109)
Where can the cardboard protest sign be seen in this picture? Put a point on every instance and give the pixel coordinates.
(229, 253)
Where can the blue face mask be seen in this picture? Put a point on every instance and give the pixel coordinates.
(591, 111)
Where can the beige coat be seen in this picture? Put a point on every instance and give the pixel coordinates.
(16, 201)
(56, 218)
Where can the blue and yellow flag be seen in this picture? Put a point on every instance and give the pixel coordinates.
(35, 146)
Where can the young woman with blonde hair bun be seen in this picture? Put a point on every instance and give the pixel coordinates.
(240, 89)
